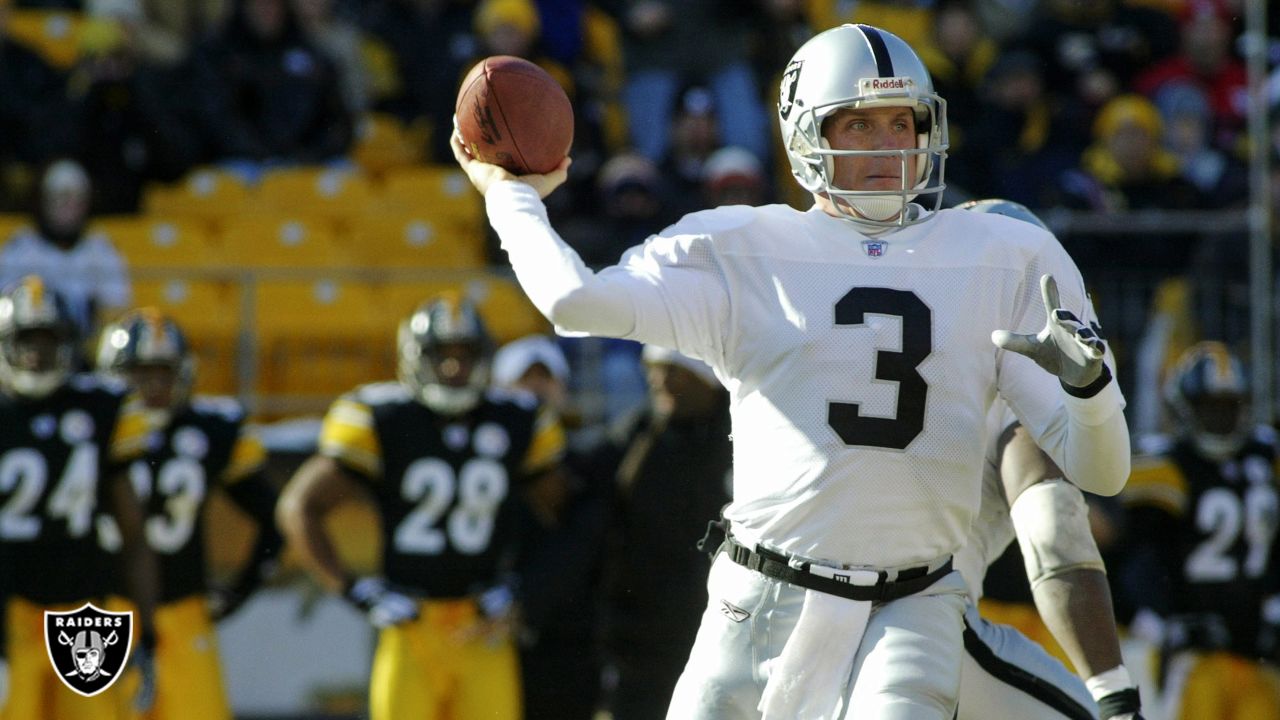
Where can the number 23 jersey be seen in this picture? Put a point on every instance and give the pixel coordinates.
(444, 487)
(206, 445)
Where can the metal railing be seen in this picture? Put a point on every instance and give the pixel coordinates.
(1122, 293)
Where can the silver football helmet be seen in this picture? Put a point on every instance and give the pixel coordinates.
(1007, 208)
(445, 354)
(860, 66)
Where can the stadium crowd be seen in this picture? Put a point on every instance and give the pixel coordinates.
(185, 114)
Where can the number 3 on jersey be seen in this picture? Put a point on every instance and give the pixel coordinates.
(901, 367)
(478, 488)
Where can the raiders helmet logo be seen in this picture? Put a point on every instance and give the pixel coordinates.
(787, 91)
(88, 647)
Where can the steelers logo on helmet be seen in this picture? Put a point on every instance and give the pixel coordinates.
(149, 352)
(38, 339)
(445, 353)
(864, 67)
(1208, 396)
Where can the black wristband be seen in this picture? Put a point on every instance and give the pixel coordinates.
(1092, 388)
(1120, 702)
(147, 639)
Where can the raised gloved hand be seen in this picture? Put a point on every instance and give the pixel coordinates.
(382, 603)
(144, 658)
(1065, 347)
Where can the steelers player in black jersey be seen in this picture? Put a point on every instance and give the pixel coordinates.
(1203, 513)
(64, 441)
(203, 446)
(444, 459)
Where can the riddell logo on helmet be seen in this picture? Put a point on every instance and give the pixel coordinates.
(882, 84)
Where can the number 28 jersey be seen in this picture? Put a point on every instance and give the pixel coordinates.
(55, 456)
(445, 487)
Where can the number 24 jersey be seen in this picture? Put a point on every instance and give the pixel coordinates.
(56, 454)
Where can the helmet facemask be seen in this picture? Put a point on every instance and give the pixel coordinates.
(445, 355)
(36, 361)
(878, 208)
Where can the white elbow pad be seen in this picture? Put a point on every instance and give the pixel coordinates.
(1051, 520)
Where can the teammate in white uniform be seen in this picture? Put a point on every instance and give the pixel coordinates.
(856, 342)
(1006, 674)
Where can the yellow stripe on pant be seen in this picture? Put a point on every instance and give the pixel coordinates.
(188, 674)
(35, 691)
(444, 666)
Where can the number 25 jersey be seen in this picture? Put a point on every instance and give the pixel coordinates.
(1216, 524)
(444, 487)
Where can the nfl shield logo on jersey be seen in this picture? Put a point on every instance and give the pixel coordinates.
(875, 248)
(88, 647)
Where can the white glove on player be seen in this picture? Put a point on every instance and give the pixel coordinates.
(1065, 347)
(4, 681)
(382, 604)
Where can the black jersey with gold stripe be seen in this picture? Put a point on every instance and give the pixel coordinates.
(1212, 527)
(205, 445)
(445, 487)
(55, 456)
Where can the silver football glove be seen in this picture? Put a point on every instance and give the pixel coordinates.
(1065, 347)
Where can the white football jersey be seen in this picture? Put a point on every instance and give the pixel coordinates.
(993, 527)
(860, 369)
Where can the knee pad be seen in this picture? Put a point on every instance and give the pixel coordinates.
(1051, 520)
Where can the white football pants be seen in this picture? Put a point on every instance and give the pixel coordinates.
(1008, 675)
(907, 668)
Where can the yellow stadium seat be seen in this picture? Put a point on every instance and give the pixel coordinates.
(208, 311)
(147, 242)
(208, 194)
(440, 191)
(382, 143)
(11, 223)
(413, 241)
(507, 312)
(314, 192)
(54, 34)
(317, 339)
(272, 241)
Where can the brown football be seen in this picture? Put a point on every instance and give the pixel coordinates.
(510, 112)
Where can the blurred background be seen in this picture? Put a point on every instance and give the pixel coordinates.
(275, 175)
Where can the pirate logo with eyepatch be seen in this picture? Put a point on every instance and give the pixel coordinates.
(88, 646)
